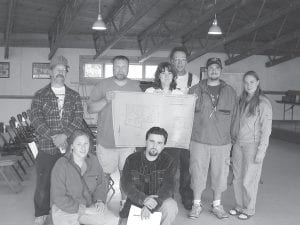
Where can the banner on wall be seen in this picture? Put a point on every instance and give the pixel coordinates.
(134, 113)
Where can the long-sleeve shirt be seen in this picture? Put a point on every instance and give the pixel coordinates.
(141, 178)
(215, 125)
(257, 128)
(68, 189)
(45, 116)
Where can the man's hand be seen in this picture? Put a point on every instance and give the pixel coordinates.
(110, 95)
(60, 140)
(259, 157)
(150, 202)
(100, 206)
(145, 213)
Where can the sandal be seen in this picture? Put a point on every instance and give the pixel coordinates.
(234, 212)
(244, 216)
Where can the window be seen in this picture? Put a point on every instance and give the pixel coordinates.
(91, 70)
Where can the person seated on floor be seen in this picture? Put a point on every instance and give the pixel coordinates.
(79, 187)
(148, 179)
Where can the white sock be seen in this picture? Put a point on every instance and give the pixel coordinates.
(216, 203)
(197, 202)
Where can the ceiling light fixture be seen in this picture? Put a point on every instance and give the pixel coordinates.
(215, 29)
(99, 24)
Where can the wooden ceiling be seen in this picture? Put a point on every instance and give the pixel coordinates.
(250, 27)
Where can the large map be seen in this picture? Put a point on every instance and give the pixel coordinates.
(134, 113)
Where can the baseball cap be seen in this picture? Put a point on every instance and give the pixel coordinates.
(59, 60)
(211, 61)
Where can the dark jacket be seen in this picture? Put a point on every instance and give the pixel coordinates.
(141, 178)
(44, 116)
(219, 126)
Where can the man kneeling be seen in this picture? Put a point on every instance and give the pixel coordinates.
(148, 179)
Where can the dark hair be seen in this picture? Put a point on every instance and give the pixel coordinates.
(179, 49)
(254, 101)
(75, 134)
(162, 68)
(159, 131)
(120, 57)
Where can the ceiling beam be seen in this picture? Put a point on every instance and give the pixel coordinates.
(259, 50)
(250, 27)
(177, 31)
(292, 55)
(63, 24)
(9, 26)
(119, 22)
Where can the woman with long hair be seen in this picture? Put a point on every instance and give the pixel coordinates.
(165, 80)
(79, 187)
(251, 145)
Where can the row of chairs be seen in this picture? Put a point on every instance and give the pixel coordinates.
(15, 152)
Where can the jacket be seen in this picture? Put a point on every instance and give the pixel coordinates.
(217, 126)
(257, 128)
(141, 178)
(45, 118)
(68, 190)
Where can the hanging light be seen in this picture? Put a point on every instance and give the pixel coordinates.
(99, 24)
(215, 29)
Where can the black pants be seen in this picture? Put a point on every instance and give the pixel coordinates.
(44, 165)
(182, 156)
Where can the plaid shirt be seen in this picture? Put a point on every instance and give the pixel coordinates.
(46, 120)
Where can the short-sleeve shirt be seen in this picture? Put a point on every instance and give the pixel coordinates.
(182, 82)
(105, 133)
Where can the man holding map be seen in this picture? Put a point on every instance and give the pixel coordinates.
(110, 157)
(148, 179)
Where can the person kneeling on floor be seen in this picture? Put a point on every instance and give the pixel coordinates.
(79, 187)
(148, 179)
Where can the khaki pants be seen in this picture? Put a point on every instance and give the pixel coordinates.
(112, 159)
(246, 176)
(204, 156)
(60, 217)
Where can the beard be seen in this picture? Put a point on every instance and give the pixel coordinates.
(153, 152)
(120, 76)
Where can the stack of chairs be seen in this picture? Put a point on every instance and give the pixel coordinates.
(15, 153)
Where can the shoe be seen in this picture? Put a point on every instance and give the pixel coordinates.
(195, 211)
(187, 203)
(234, 212)
(40, 220)
(219, 212)
(244, 216)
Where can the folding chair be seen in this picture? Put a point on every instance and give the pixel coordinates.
(6, 164)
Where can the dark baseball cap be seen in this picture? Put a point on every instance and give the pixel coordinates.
(211, 61)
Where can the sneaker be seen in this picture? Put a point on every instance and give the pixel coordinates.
(40, 220)
(219, 212)
(195, 212)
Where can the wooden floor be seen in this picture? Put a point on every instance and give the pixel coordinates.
(277, 204)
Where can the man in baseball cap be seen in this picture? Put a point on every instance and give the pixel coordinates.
(56, 111)
(214, 131)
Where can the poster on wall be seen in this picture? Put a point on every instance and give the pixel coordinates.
(134, 113)
(41, 70)
(4, 69)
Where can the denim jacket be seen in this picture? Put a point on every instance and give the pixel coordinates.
(141, 178)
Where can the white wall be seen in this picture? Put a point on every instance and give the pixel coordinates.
(282, 77)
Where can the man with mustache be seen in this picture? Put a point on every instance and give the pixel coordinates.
(148, 179)
(111, 157)
(214, 131)
(56, 111)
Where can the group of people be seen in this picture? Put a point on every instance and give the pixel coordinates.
(72, 182)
